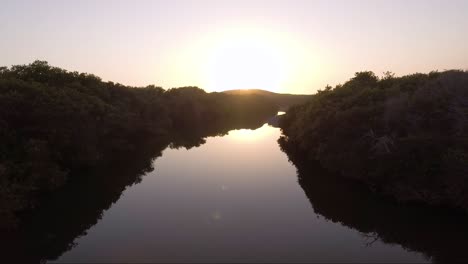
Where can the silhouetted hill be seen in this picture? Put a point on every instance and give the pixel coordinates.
(283, 101)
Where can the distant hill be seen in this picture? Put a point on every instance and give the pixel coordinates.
(284, 101)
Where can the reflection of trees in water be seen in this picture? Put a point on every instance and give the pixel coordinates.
(48, 231)
(441, 235)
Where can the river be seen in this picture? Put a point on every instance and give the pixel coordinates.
(235, 198)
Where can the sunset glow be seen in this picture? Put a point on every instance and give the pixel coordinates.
(295, 46)
(217, 131)
(246, 61)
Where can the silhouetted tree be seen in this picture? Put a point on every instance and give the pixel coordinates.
(404, 137)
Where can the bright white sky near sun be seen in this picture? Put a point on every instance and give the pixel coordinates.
(295, 46)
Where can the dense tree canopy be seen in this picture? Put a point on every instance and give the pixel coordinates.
(53, 122)
(406, 137)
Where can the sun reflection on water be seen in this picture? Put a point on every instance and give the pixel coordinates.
(251, 135)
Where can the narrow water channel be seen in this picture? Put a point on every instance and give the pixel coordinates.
(225, 201)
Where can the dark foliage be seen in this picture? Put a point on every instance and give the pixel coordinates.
(440, 234)
(55, 123)
(403, 137)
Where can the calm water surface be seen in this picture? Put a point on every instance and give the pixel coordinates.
(234, 199)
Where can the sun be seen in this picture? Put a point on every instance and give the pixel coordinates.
(246, 62)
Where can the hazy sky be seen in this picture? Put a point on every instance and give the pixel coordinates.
(294, 46)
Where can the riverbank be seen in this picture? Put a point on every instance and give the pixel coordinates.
(402, 137)
(54, 123)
